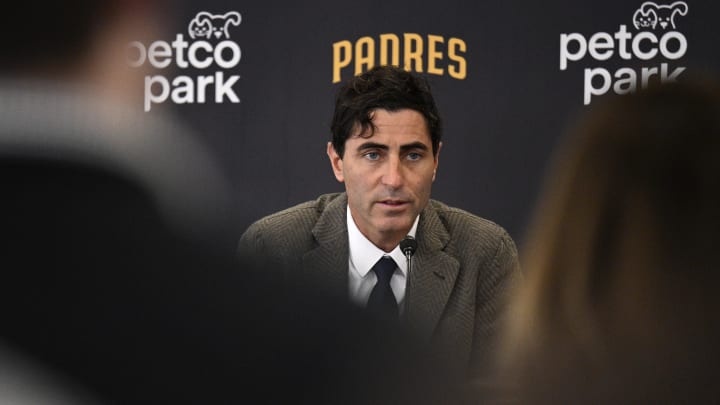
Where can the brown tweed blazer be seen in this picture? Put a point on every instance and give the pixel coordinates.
(461, 271)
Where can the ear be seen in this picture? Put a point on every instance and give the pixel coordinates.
(233, 17)
(437, 161)
(647, 6)
(680, 6)
(336, 163)
(203, 16)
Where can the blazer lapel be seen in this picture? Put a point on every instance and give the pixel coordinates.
(326, 265)
(432, 277)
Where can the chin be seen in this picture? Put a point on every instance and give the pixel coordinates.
(395, 226)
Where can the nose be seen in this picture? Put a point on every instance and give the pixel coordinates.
(393, 176)
(664, 24)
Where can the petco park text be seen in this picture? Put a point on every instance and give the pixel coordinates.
(644, 45)
(199, 54)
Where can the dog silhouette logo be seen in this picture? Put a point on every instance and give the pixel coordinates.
(653, 15)
(213, 26)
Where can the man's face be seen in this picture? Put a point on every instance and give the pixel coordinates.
(387, 176)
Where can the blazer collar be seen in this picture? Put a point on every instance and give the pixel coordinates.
(326, 266)
(432, 276)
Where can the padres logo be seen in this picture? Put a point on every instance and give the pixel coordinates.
(433, 54)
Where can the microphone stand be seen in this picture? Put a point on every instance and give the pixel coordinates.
(408, 246)
(408, 258)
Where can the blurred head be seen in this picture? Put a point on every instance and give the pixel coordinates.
(385, 148)
(77, 41)
(58, 32)
(621, 263)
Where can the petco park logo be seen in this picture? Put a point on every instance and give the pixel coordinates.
(211, 49)
(656, 38)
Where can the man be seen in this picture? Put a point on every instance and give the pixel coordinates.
(385, 148)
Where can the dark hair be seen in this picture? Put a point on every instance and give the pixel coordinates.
(383, 87)
(57, 34)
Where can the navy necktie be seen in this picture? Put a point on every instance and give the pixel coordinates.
(382, 301)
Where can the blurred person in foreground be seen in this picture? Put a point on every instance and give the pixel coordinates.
(116, 281)
(620, 301)
(68, 93)
(111, 220)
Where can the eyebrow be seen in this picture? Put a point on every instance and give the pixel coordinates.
(414, 145)
(403, 148)
(372, 145)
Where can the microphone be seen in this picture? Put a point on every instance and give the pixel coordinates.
(408, 246)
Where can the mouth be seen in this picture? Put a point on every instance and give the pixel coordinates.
(393, 203)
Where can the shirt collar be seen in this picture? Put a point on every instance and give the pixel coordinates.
(364, 254)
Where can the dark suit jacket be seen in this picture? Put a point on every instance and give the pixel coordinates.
(461, 270)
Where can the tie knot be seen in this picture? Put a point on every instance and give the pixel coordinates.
(384, 269)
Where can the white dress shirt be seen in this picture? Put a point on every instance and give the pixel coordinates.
(363, 255)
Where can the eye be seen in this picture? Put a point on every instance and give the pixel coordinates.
(371, 155)
(414, 156)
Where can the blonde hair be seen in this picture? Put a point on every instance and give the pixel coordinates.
(619, 259)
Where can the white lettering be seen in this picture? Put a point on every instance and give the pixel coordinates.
(646, 74)
(590, 90)
(682, 48)
(236, 54)
(142, 54)
(627, 84)
(224, 88)
(192, 54)
(622, 35)
(599, 41)
(180, 45)
(183, 91)
(672, 77)
(565, 54)
(636, 45)
(153, 98)
(159, 54)
(203, 81)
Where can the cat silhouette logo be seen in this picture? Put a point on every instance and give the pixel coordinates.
(209, 26)
(651, 15)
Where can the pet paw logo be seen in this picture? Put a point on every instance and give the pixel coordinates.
(201, 54)
(653, 15)
(206, 25)
(656, 38)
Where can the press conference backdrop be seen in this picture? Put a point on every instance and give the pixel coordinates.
(256, 80)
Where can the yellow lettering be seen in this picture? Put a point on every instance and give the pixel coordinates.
(364, 58)
(434, 55)
(413, 53)
(457, 46)
(395, 53)
(342, 55)
(442, 56)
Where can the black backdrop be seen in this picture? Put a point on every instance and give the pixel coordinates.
(501, 122)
